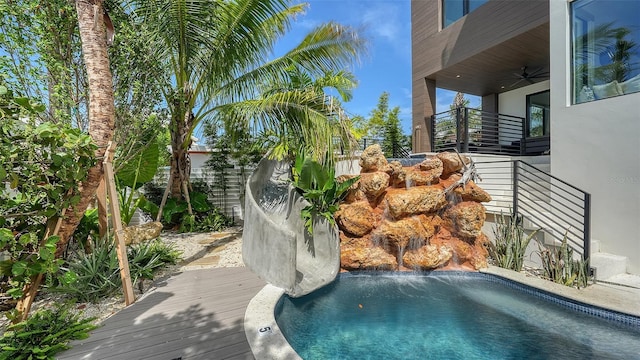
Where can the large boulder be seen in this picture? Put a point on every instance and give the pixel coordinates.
(465, 219)
(356, 219)
(374, 184)
(362, 254)
(469, 192)
(427, 257)
(411, 232)
(141, 233)
(373, 159)
(415, 200)
(416, 177)
(451, 162)
(431, 164)
(469, 254)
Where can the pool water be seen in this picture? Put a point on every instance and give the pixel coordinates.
(445, 316)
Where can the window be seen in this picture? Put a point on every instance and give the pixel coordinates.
(453, 10)
(605, 49)
(538, 114)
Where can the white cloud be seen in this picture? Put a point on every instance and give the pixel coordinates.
(383, 19)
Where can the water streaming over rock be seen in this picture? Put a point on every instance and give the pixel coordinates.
(399, 216)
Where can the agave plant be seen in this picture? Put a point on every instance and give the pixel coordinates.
(510, 244)
(560, 267)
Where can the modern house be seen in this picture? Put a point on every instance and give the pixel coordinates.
(559, 81)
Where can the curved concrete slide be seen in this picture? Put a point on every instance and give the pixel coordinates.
(275, 243)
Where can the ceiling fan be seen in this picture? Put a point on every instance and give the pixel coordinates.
(530, 76)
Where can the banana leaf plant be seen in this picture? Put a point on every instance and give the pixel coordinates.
(317, 184)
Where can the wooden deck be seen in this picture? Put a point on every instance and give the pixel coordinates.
(196, 314)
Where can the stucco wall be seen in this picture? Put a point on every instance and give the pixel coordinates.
(515, 102)
(596, 146)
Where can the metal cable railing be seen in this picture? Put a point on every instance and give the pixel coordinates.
(556, 207)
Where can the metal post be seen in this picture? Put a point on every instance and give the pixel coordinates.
(523, 141)
(587, 229)
(516, 165)
(465, 135)
(432, 133)
(458, 130)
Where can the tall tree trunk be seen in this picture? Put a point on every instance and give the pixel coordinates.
(180, 160)
(101, 106)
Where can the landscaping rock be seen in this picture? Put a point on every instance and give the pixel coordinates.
(141, 233)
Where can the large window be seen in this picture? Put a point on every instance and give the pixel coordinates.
(538, 114)
(453, 10)
(605, 48)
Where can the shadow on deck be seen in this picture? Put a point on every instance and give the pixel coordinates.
(196, 314)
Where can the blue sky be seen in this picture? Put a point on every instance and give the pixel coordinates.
(387, 66)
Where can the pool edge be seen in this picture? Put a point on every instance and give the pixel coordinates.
(267, 341)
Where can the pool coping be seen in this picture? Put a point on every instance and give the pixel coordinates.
(267, 341)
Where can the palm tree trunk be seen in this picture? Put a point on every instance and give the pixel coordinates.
(101, 106)
(180, 160)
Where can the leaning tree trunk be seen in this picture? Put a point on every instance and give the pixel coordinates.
(101, 106)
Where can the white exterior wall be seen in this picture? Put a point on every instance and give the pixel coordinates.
(596, 147)
(515, 102)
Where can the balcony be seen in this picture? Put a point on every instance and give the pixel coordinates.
(475, 131)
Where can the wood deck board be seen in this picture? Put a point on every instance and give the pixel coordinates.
(196, 314)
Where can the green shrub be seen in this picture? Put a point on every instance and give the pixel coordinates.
(560, 267)
(146, 259)
(510, 243)
(98, 274)
(317, 184)
(44, 334)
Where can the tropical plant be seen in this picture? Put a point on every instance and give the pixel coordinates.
(97, 275)
(510, 243)
(44, 334)
(42, 166)
(216, 57)
(559, 265)
(132, 175)
(317, 184)
(147, 258)
(50, 66)
(88, 230)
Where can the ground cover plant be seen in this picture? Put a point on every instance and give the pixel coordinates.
(45, 333)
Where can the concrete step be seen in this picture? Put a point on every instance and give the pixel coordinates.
(608, 265)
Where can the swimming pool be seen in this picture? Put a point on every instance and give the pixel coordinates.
(450, 315)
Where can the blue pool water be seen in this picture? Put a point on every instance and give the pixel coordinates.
(449, 316)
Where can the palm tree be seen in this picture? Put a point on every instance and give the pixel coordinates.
(101, 105)
(217, 54)
(299, 112)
